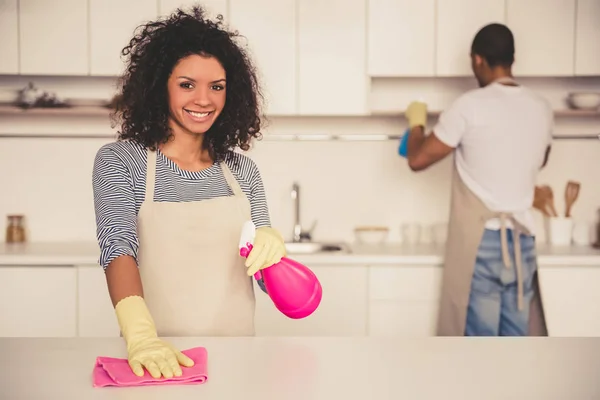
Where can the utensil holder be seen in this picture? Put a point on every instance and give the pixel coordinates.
(560, 231)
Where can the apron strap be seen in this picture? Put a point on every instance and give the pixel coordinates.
(150, 175)
(517, 230)
(506, 79)
(233, 183)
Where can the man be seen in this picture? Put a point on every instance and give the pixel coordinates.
(500, 134)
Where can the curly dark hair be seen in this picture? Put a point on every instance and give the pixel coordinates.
(142, 108)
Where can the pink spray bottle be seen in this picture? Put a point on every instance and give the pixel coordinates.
(293, 287)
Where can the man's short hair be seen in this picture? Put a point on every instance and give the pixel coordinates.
(496, 44)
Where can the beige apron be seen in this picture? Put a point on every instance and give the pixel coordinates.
(468, 216)
(195, 282)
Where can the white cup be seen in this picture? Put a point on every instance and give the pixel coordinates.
(583, 233)
(410, 234)
(560, 231)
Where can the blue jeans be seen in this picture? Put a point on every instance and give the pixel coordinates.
(493, 307)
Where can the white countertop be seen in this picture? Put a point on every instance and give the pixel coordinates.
(86, 253)
(321, 369)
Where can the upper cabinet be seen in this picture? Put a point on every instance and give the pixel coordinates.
(332, 76)
(401, 38)
(587, 34)
(53, 37)
(111, 31)
(313, 57)
(274, 55)
(212, 7)
(457, 24)
(544, 33)
(9, 34)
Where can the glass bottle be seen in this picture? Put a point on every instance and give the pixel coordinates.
(15, 230)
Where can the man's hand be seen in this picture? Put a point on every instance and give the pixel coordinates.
(416, 113)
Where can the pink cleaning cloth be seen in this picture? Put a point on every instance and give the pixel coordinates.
(110, 371)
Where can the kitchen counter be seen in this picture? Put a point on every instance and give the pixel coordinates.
(86, 253)
(321, 368)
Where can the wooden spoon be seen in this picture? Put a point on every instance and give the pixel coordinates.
(549, 199)
(540, 201)
(571, 194)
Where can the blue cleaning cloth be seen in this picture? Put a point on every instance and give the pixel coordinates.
(402, 150)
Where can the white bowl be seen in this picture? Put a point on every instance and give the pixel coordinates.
(371, 234)
(584, 100)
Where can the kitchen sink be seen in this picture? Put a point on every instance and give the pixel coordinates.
(315, 247)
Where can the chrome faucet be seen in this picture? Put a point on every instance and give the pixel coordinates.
(299, 234)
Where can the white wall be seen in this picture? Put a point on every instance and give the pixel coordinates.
(343, 184)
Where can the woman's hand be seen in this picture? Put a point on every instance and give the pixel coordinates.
(144, 348)
(157, 356)
(268, 249)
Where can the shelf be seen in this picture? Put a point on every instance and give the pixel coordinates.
(101, 111)
(56, 111)
(267, 137)
(557, 113)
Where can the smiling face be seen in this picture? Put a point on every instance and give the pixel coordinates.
(196, 90)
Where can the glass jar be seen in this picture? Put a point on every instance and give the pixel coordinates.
(15, 229)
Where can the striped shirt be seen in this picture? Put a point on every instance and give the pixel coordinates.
(119, 184)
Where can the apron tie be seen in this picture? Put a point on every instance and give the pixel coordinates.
(506, 255)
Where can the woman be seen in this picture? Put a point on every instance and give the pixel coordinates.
(171, 196)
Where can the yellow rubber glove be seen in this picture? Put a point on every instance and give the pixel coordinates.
(144, 348)
(267, 249)
(416, 113)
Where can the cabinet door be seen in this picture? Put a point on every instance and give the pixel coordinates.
(110, 31)
(96, 315)
(38, 301)
(571, 295)
(53, 37)
(272, 45)
(333, 76)
(587, 49)
(213, 7)
(342, 311)
(404, 300)
(401, 38)
(458, 23)
(9, 34)
(544, 33)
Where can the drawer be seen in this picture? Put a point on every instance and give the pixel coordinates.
(403, 318)
(405, 283)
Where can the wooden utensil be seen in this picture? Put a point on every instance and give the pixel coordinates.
(571, 194)
(546, 193)
(540, 201)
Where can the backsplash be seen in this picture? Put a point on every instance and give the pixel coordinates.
(343, 184)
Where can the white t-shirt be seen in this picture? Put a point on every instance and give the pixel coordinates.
(501, 134)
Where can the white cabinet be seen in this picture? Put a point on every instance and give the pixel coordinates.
(9, 37)
(587, 33)
(571, 297)
(544, 32)
(272, 45)
(401, 38)
(111, 31)
(95, 314)
(332, 76)
(342, 311)
(37, 301)
(404, 300)
(458, 21)
(53, 37)
(212, 7)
